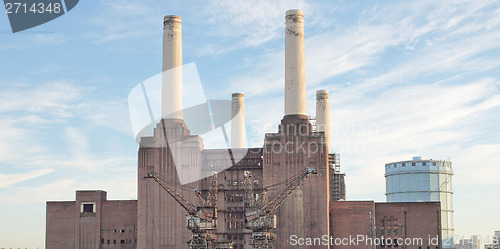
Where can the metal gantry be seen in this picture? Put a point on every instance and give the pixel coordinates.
(258, 211)
(202, 218)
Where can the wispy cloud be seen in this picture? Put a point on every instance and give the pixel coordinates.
(52, 98)
(36, 121)
(9, 179)
(248, 23)
(120, 21)
(27, 41)
(433, 120)
(57, 190)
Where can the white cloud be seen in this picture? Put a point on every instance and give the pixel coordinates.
(411, 120)
(249, 23)
(119, 188)
(58, 190)
(36, 40)
(9, 179)
(52, 98)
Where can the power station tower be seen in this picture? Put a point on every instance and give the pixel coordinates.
(421, 180)
(296, 146)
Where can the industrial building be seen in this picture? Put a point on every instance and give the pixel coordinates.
(385, 225)
(161, 220)
(474, 242)
(421, 180)
(270, 181)
(91, 221)
(173, 153)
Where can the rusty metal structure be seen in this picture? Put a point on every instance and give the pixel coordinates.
(258, 211)
(202, 218)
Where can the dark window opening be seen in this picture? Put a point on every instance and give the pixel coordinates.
(109, 242)
(102, 241)
(122, 241)
(114, 241)
(88, 208)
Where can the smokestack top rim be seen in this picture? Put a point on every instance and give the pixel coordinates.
(238, 95)
(172, 17)
(294, 12)
(321, 94)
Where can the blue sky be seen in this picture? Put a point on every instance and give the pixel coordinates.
(405, 78)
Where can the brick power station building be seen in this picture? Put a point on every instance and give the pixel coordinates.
(156, 220)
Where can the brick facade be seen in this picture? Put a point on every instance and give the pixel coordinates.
(91, 222)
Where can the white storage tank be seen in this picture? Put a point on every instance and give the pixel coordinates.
(423, 180)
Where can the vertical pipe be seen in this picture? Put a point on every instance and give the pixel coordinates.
(323, 114)
(238, 134)
(172, 68)
(295, 72)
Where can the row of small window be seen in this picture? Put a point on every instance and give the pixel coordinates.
(412, 164)
(235, 215)
(240, 183)
(235, 209)
(234, 198)
(233, 237)
(382, 232)
(235, 225)
(123, 241)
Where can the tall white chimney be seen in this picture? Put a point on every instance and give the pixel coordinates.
(172, 68)
(323, 114)
(295, 71)
(238, 134)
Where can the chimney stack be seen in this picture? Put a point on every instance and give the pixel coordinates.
(172, 68)
(238, 135)
(323, 114)
(295, 71)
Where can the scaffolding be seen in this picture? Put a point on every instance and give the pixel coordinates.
(337, 185)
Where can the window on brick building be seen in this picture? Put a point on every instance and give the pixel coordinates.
(88, 208)
(122, 241)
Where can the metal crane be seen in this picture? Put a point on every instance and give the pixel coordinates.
(258, 217)
(202, 218)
